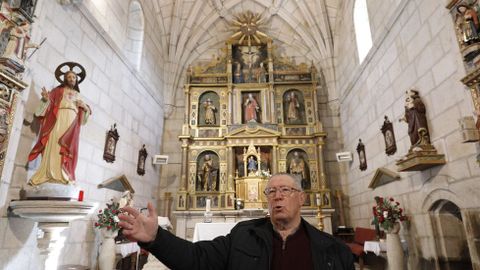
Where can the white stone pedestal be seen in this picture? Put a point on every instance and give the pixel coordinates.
(53, 218)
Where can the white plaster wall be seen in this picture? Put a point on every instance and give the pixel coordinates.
(414, 46)
(115, 92)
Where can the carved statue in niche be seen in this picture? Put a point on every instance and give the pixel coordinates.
(208, 172)
(237, 73)
(415, 116)
(468, 24)
(209, 112)
(62, 112)
(293, 107)
(251, 109)
(299, 168)
(208, 109)
(3, 126)
(252, 165)
(260, 74)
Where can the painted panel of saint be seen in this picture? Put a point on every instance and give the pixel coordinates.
(297, 165)
(251, 110)
(293, 107)
(208, 109)
(249, 64)
(207, 171)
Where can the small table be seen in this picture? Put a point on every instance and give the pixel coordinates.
(375, 247)
(208, 231)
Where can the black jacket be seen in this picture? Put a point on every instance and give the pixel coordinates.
(248, 246)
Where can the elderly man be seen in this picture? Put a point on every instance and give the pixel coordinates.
(283, 241)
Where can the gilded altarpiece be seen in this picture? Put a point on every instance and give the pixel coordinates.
(249, 113)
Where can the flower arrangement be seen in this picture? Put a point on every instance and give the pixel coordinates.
(108, 217)
(387, 212)
(263, 173)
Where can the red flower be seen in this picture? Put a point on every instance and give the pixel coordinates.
(100, 211)
(400, 210)
(109, 227)
(96, 224)
(391, 199)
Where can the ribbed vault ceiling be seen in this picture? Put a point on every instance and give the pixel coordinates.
(192, 30)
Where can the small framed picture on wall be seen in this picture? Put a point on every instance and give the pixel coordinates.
(362, 157)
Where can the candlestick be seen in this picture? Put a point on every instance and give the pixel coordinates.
(208, 205)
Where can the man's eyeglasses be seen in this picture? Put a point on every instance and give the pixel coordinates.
(284, 191)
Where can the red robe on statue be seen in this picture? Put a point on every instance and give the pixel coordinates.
(68, 141)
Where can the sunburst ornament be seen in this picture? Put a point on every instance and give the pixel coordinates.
(247, 27)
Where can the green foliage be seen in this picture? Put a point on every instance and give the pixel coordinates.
(108, 217)
(387, 212)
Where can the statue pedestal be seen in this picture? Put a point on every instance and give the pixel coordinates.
(420, 160)
(53, 218)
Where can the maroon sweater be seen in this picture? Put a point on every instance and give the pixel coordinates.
(294, 253)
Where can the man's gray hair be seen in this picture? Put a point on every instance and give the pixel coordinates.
(296, 181)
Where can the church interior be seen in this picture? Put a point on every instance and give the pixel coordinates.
(373, 106)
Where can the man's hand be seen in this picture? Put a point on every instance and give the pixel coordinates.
(44, 93)
(138, 227)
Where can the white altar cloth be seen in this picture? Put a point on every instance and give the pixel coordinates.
(208, 231)
(375, 247)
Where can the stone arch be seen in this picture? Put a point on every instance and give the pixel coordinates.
(134, 34)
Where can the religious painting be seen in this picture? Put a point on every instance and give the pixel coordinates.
(251, 109)
(297, 165)
(208, 109)
(389, 137)
(249, 64)
(111, 144)
(362, 157)
(142, 156)
(207, 171)
(293, 107)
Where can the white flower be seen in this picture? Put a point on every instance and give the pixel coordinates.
(385, 214)
(116, 219)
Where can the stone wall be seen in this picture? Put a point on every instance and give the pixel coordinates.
(116, 92)
(414, 46)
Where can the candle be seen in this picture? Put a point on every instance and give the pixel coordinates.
(317, 196)
(208, 205)
(80, 196)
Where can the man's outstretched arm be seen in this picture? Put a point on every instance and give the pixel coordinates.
(174, 252)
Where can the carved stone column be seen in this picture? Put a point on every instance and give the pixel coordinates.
(274, 158)
(321, 165)
(183, 173)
